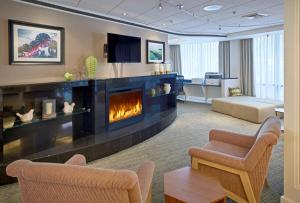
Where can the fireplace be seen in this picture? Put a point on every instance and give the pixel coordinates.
(124, 107)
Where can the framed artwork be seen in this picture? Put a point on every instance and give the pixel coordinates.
(35, 44)
(155, 51)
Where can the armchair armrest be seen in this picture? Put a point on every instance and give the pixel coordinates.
(145, 175)
(232, 138)
(13, 169)
(217, 157)
(77, 159)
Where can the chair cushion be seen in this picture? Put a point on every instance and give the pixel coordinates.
(226, 148)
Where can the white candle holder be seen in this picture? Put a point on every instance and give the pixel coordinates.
(161, 68)
(168, 68)
(49, 108)
(156, 69)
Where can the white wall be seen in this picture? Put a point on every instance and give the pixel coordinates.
(84, 36)
(291, 102)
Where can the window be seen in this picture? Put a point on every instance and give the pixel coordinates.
(199, 58)
(269, 66)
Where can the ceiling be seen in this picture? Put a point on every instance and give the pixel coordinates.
(192, 19)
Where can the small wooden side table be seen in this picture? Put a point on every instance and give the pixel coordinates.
(278, 113)
(191, 186)
(279, 110)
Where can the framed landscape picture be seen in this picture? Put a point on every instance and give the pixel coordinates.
(35, 44)
(155, 51)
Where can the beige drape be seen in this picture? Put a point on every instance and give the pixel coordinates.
(175, 58)
(224, 58)
(247, 75)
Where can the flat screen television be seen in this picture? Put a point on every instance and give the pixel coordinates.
(123, 49)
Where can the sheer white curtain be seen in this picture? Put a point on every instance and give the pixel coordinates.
(198, 58)
(268, 66)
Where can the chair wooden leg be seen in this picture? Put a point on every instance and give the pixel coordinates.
(243, 175)
(266, 184)
(149, 197)
(195, 164)
(247, 187)
(235, 197)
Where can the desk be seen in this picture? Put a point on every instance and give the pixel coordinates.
(204, 88)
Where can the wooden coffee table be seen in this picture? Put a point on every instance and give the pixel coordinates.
(191, 186)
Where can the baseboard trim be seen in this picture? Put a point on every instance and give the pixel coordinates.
(284, 199)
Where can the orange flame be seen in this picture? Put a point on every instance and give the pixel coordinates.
(120, 109)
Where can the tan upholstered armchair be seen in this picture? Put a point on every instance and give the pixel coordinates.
(75, 182)
(240, 162)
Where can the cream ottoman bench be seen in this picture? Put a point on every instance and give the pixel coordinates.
(244, 107)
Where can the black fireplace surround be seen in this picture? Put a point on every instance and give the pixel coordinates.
(119, 90)
(88, 129)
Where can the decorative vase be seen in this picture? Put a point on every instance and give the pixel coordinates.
(90, 65)
(153, 92)
(167, 88)
(27, 117)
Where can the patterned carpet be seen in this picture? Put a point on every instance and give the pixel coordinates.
(168, 150)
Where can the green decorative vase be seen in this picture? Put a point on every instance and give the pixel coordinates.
(90, 65)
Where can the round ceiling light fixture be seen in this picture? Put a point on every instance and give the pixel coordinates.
(214, 7)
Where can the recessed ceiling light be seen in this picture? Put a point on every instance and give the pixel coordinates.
(160, 7)
(164, 24)
(214, 7)
(125, 14)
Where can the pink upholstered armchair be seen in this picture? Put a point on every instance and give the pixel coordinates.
(75, 182)
(240, 162)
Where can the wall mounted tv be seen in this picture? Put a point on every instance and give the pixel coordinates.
(123, 49)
